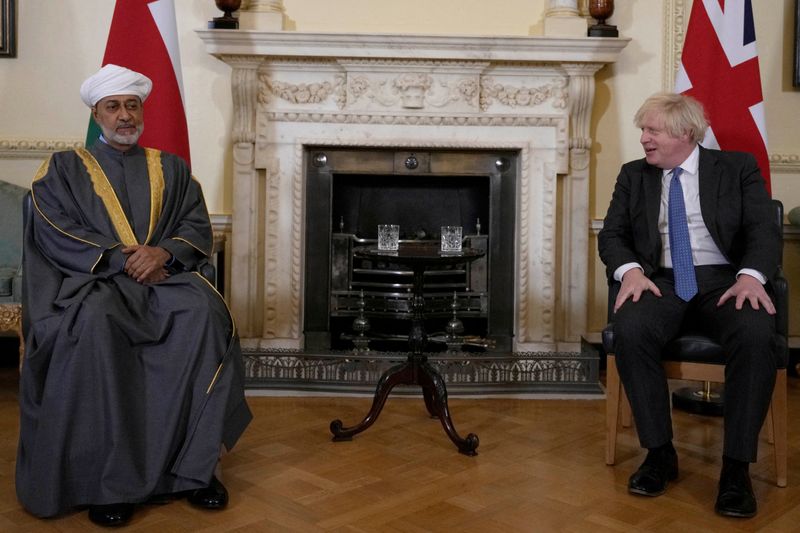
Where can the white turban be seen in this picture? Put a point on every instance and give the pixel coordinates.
(111, 80)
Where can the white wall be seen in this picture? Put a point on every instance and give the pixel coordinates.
(62, 42)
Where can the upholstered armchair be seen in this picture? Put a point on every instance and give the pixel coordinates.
(11, 258)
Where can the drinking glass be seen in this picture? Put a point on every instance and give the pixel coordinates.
(388, 237)
(451, 238)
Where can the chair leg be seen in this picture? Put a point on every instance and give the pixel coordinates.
(770, 425)
(779, 421)
(613, 393)
(626, 415)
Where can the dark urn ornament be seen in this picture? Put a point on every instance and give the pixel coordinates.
(227, 21)
(602, 10)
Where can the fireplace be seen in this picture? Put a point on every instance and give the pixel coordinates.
(350, 191)
(319, 118)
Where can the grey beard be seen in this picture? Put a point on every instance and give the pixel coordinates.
(123, 139)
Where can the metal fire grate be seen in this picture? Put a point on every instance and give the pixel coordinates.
(386, 287)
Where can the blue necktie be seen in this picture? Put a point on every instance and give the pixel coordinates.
(679, 244)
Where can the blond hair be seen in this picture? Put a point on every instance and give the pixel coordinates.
(681, 113)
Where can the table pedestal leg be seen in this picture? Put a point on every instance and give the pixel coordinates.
(432, 382)
(430, 404)
(401, 374)
(415, 371)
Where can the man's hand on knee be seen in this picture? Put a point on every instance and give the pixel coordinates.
(634, 283)
(748, 288)
(146, 264)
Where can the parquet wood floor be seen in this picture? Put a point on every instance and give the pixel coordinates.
(540, 468)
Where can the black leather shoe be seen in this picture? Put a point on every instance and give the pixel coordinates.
(658, 468)
(735, 496)
(112, 515)
(215, 496)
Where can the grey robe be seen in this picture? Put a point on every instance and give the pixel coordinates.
(127, 390)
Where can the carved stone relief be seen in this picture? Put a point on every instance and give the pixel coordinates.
(414, 91)
(301, 93)
(514, 96)
(11, 320)
(35, 148)
(674, 33)
(372, 85)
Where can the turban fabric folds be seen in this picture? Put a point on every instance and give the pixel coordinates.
(111, 80)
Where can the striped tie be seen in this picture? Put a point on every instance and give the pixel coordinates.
(679, 244)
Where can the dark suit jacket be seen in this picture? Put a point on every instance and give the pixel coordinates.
(733, 201)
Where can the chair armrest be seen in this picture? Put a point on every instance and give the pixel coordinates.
(608, 331)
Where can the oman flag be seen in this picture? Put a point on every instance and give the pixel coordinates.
(719, 67)
(144, 37)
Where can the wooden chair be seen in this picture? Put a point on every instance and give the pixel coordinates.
(693, 356)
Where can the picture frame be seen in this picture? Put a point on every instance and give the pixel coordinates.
(796, 76)
(8, 28)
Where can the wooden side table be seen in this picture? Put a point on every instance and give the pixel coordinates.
(416, 370)
(11, 320)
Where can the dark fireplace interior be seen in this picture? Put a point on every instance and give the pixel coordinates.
(349, 192)
(419, 204)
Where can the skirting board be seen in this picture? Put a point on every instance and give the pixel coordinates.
(465, 373)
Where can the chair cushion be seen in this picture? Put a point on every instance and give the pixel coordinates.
(11, 224)
(694, 349)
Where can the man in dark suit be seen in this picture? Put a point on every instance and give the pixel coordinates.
(691, 230)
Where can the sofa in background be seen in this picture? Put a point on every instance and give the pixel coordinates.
(11, 197)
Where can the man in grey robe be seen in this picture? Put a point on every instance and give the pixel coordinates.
(132, 382)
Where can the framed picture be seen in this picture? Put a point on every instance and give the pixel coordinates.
(8, 28)
(796, 77)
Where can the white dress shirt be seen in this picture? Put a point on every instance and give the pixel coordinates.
(704, 250)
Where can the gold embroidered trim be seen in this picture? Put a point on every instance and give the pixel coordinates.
(156, 173)
(103, 189)
(101, 257)
(192, 245)
(233, 326)
(71, 236)
(43, 168)
(214, 379)
(40, 173)
(213, 288)
(96, 263)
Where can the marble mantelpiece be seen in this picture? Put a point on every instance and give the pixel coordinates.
(294, 89)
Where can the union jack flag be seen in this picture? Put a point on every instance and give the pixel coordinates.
(719, 67)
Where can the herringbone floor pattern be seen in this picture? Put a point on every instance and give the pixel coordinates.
(540, 468)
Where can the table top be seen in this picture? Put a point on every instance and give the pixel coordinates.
(420, 253)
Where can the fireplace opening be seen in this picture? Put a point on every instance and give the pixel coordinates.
(349, 192)
(419, 204)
